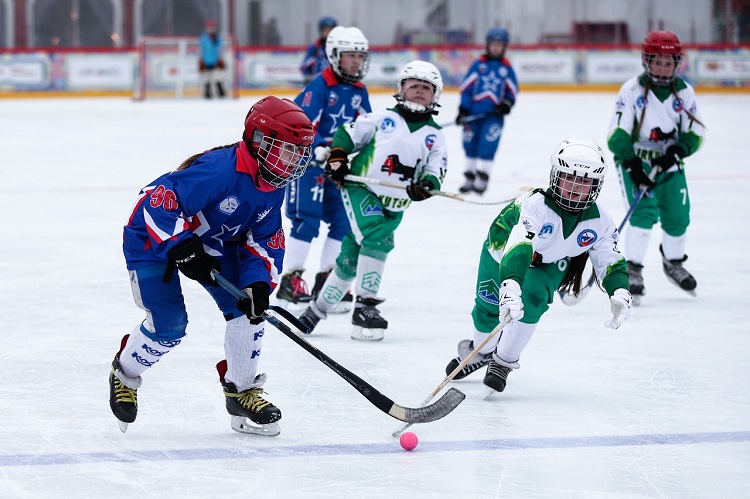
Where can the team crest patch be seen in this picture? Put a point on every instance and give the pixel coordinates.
(332, 99)
(356, 101)
(229, 205)
(429, 141)
(587, 238)
(388, 125)
(547, 230)
(370, 209)
(677, 105)
(640, 101)
(489, 292)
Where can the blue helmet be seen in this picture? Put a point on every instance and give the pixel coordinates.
(498, 34)
(327, 22)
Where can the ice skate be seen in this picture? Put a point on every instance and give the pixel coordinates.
(292, 293)
(251, 413)
(368, 324)
(635, 276)
(496, 378)
(342, 307)
(677, 274)
(310, 317)
(468, 183)
(123, 400)
(465, 347)
(480, 184)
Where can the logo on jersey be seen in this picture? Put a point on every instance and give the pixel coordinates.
(429, 141)
(263, 214)
(393, 166)
(620, 104)
(677, 105)
(488, 291)
(229, 205)
(332, 98)
(547, 230)
(640, 101)
(503, 71)
(370, 209)
(494, 133)
(656, 135)
(388, 125)
(587, 238)
(356, 101)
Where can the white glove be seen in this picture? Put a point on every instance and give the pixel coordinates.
(620, 305)
(321, 154)
(511, 305)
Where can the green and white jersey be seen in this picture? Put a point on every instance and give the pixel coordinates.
(389, 148)
(665, 121)
(534, 229)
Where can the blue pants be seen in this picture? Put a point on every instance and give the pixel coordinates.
(482, 137)
(311, 199)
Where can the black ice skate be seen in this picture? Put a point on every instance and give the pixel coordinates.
(678, 275)
(310, 317)
(368, 324)
(480, 184)
(635, 276)
(293, 290)
(496, 378)
(342, 307)
(123, 400)
(249, 405)
(468, 184)
(465, 347)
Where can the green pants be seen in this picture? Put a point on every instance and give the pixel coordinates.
(372, 229)
(537, 292)
(668, 202)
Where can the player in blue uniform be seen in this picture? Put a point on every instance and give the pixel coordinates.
(488, 90)
(315, 59)
(220, 210)
(334, 98)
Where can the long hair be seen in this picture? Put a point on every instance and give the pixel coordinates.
(673, 87)
(573, 279)
(189, 161)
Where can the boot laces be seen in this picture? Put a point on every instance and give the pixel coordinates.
(125, 394)
(499, 370)
(299, 286)
(251, 399)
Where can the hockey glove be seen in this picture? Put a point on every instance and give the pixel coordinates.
(321, 154)
(338, 165)
(256, 303)
(671, 157)
(419, 191)
(511, 305)
(504, 107)
(193, 261)
(462, 113)
(619, 303)
(634, 167)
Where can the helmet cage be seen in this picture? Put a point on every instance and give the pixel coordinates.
(659, 43)
(280, 162)
(422, 71)
(577, 166)
(341, 40)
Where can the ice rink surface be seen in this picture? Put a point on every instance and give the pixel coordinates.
(657, 408)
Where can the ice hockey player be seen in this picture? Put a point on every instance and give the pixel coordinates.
(219, 211)
(538, 244)
(488, 91)
(315, 60)
(211, 64)
(401, 145)
(334, 98)
(656, 124)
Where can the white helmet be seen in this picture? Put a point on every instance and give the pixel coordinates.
(341, 40)
(419, 70)
(573, 163)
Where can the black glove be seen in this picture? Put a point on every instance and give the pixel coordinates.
(338, 165)
(504, 107)
(256, 302)
(462, 113)
(419, 191)
(671, 157)
(634, 167)
(193, 261)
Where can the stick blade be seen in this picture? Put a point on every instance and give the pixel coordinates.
(437, 410)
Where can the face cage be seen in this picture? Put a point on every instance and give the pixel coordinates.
(564, 199)
(413, 106)
(347, 78)
(660, 81)
(281, 162)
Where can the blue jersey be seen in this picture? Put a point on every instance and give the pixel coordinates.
(315, 60)
(486, 84)
(217, 199)
(211, 47)
(330, 104)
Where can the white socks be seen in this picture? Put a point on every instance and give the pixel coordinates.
(636, 244)
(242, 342)
(369, 275)
(295, 254)
(331, 250)
(673, 247)
(141, 352)
(514, 338)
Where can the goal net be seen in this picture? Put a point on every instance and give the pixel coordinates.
(168, 67)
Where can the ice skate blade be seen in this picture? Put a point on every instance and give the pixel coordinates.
(242, 425)
(362, 334)
(123, 426)
(489, 393)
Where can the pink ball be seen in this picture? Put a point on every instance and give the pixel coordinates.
(409, 440)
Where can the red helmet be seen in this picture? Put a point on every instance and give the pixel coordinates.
(659, 43)
(279, 135)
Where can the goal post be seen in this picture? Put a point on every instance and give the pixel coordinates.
(168, 67)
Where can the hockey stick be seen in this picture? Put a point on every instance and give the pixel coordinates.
(467, 119)
(450, 195)
(427, 414)
(457, 370)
